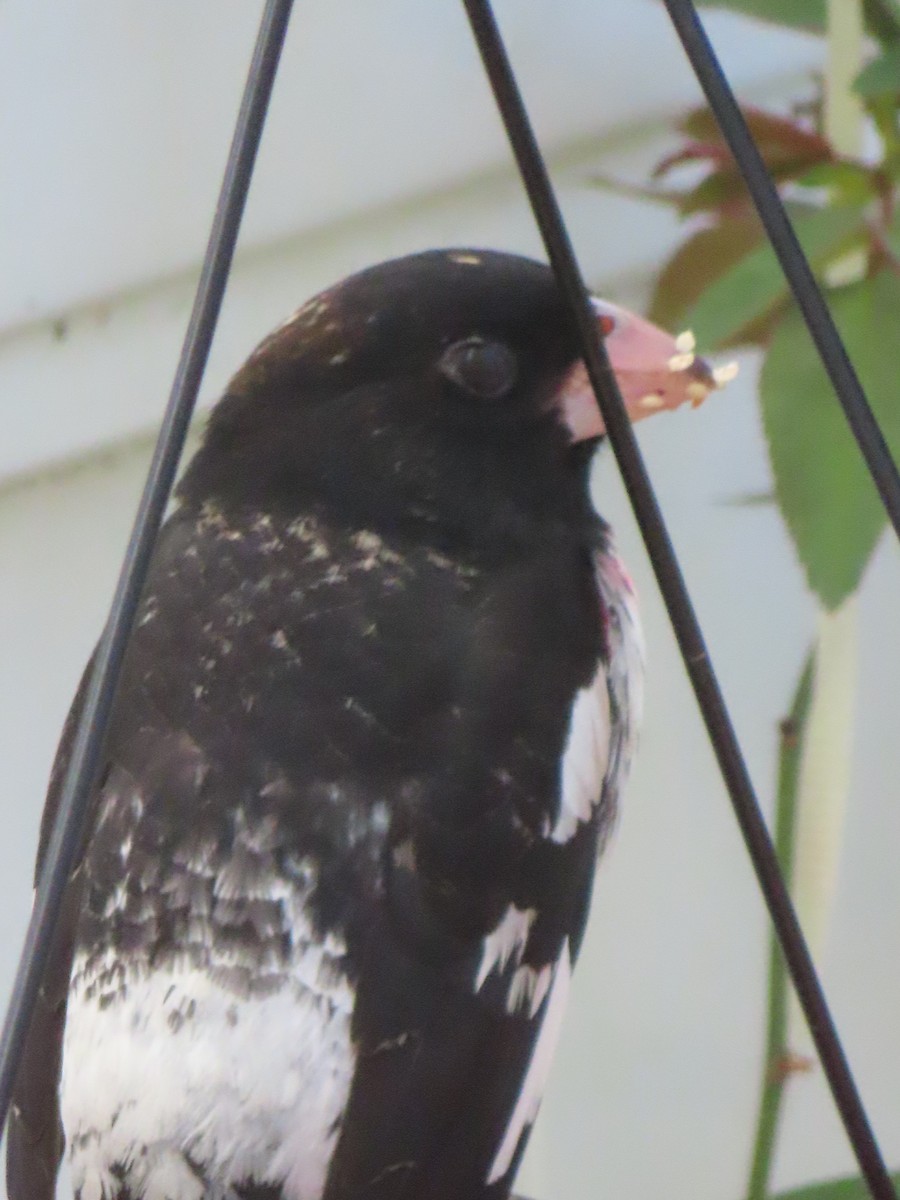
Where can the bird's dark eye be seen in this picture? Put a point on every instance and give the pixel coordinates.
(483, 368)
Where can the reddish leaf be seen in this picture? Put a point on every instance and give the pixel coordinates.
(704, 257)
(674, 197)
(692, 152)
(789, 149)
(724, 192)
(779, 138)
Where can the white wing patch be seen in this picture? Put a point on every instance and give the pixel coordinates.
(529, 1100)
(602, 735)
(606, 715)
(585, 759)
(626, 668)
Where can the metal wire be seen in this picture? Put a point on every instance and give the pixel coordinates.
(681, 613)
(87, 749)
(88, 744)
(784, 241)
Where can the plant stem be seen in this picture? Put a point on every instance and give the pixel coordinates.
(796, 832)
(824, 779)
(823, 785)
(843, 108)
(776, 1063)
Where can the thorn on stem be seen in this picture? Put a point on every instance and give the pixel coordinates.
(787, 1064)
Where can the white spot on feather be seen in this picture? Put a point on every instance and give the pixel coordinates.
(367, 541)
(529, 1098)
(528, 989)
(164, 1174)
(506, 940)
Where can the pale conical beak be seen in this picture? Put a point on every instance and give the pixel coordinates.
(655, 371)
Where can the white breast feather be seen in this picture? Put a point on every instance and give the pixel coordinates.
(248, 1086)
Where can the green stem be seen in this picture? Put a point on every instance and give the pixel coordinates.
(776, 1061)
(843, 113)
(843, 127)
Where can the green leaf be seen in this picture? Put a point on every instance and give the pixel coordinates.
(717, 191)
(756, 284)
(847, 182)
(826, 496)
(880, 77)
(882, 16)
(798, 14)
(882, 20)
(850, 1188)
(892, 234)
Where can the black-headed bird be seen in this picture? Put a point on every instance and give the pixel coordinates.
(372, 728)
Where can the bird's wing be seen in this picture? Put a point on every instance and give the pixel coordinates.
(454, 1041)
(462, 991)
(460, 942)
(35, 1139)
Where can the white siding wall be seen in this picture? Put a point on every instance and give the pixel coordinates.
(113, 126)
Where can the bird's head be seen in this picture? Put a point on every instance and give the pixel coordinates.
(443, 391)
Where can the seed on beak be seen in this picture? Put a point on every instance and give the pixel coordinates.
(652, 400)
(654, 370)
(697, 392)
(725, 373)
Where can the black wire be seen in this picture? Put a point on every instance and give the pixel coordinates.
(681, 612)
(88, 745)
(797, 271)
